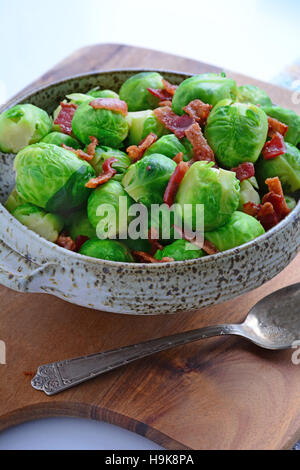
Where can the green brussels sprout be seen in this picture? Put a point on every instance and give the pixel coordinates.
(135, 91)
(58, 138)
(248, 194)
(288, 117)
(110, 250)
(101, 203)
(208, 87)
(217, 189)
(95, 93)
(286, 167)
(141, 123)
(290, 202)
(169, 146)
(240, 229)
(236, 132)
(253, 94)
(14, 200)
(146, 180)
(22, 125)
(138, 245)
(79, 98)
(51, 177)
(45, 224)
(109, 127)
(180, 250)
(103, 153)
(79, 224)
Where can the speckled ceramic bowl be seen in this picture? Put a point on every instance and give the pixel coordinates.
(29, 263)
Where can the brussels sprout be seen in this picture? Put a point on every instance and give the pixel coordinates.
(288, 117)
(51, 177)
(108, 196)
(135, 91)
(58, 138)
(208, 87)
(138, 245)
(169, 146)
(95, 93)
(103, 153)
(22, 125)
(45, 224)
(286, 167)
(141, 123)
(180, 251)
(79, 224)
(217, 189)
(109, 127)
(79, 98)
(241, 228)
(253, 94)
(236, 132)
(290, 202)
(14, 200)
(248, 194)
(146, 180)
(106, 249)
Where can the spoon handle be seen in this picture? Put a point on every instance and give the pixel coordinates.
(58, 376)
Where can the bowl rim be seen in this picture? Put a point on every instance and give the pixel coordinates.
(206, 260)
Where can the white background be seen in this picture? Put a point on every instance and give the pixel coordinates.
(255, 37)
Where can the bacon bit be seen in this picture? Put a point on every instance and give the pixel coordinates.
(153, 237)
(162, 95)
(112, 104)
(171, 89)
(267, 216)
(202, 150)
(274, 185)
(276, 126)
(66, 242)
(244, 171)
(275, 147)
(275, 188)
(174, 123)
(166, 259)
(65, 116)
(108, 173)
(144, 257)
(174, 183)
(198, 111)
(80, 153)
(165, 103)
(251, 208)
(178, 158)
(210, 248)
(80, 240)
(136, 152)
(91, 148)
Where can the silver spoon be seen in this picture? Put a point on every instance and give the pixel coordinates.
(273, 323)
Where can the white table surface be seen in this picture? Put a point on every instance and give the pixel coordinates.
(255, 37)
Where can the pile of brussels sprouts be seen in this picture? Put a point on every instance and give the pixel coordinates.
(52, 198)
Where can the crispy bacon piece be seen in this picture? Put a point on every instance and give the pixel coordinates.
(210, 248)
(171, 89)
(178, 158)
(198, 111)
(66, 242)
(275, 189)
(136, 152)
(174, 183)
(167, 259)
(161, 94)
(174, 123)
(108, 173)
(165, 103)
(153, 237)
(91, 148)
(244, 171)
(276, 126)
(80, 153)
(80, 240)
(112, 104)
(144, 257)
(267, 216)
(202, 150)
(274, 147)
(65, 116)
(251, 208)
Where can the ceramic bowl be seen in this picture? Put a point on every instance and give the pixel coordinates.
(29, 263)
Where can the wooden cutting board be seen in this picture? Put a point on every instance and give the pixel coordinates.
(220, 393)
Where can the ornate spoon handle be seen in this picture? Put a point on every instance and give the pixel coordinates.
(58, 376)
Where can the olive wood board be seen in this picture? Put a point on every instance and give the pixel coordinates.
(219, 393)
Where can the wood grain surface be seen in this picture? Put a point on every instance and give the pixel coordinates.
(221, 393)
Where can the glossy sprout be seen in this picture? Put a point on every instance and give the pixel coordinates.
(180, 250)
(58, 138)
(45, 224)
(106, 249)
(141, 123)
(288, 117)
(170, 146)
(135, 91)
(253, 94)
